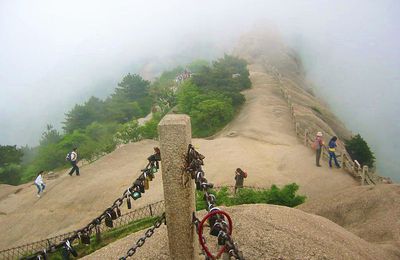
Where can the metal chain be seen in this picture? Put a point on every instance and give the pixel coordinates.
(142, 240)
(153, 162)
(194, 161)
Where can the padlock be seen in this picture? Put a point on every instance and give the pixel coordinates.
(85, 238)
(139, 185)
(108, 221)
(141, 188)
(214, 218)
(64, 253)
(113, 214)
(136, 195)
(70, 249)
(221, 238)
(215, 229)
(118, 212)
(198, 186)
(128, 203)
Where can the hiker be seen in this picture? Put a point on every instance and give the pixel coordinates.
(318, 145)
(332, 148)
(239, 178)
(155, 158)
(39, 183)
(73, 158)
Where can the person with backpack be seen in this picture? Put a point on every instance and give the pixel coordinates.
(318, 145)
(72, 157)
(332, 148)
(240, 175)
(39, 183)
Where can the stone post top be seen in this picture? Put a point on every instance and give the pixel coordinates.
(175, 119)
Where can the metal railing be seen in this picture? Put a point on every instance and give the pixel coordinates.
(154, 209)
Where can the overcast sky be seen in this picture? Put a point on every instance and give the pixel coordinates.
(54, 54)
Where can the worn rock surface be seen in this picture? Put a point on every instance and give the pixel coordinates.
(267, 232)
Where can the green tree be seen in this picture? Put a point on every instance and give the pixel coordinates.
(83, 115)
(50, 136)
(360, 151)
(10, 174)
(10, 154)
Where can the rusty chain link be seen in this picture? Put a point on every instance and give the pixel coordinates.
(108, 214)
(142, 240)
(194, 162)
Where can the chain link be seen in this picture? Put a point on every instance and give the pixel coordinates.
(142, 240)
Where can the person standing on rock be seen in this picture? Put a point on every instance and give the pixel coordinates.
(73, 158)
(240, 175)
(332, 148)
(39, 183)
(318, 145)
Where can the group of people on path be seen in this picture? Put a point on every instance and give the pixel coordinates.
(319, 145)
(72, 157)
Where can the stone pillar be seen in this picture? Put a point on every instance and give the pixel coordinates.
(179, 191)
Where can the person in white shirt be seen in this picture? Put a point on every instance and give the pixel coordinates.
(39, 183)
(74, 161)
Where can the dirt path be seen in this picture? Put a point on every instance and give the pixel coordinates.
(261, 140)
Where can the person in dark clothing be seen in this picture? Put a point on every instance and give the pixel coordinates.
(332, 148)
(239, 178)
(74, 160)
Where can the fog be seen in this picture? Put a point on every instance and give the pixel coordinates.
(54, 54)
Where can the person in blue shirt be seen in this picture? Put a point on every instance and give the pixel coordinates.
(332, 148)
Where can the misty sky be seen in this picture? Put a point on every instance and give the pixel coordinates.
(54, 54)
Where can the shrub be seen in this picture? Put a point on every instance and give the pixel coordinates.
(360, 151)
(285, 196)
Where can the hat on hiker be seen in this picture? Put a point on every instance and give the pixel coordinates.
(319, 134)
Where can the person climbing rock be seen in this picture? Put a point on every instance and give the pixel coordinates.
(240, 175)
(39, 183)
(332, 148)
(318, 145)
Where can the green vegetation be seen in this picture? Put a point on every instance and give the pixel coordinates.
(108, 237)
(285, 196)
(211, 97)
(360, 151)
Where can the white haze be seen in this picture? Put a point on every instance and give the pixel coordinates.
(54, 54)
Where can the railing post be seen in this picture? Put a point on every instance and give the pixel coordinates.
(342, 158)
(306, 137)
(179, 196)
(365, 171)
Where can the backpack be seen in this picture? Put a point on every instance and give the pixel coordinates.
(68, 157)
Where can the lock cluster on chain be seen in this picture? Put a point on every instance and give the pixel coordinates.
(216, 218)
(112, 213)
